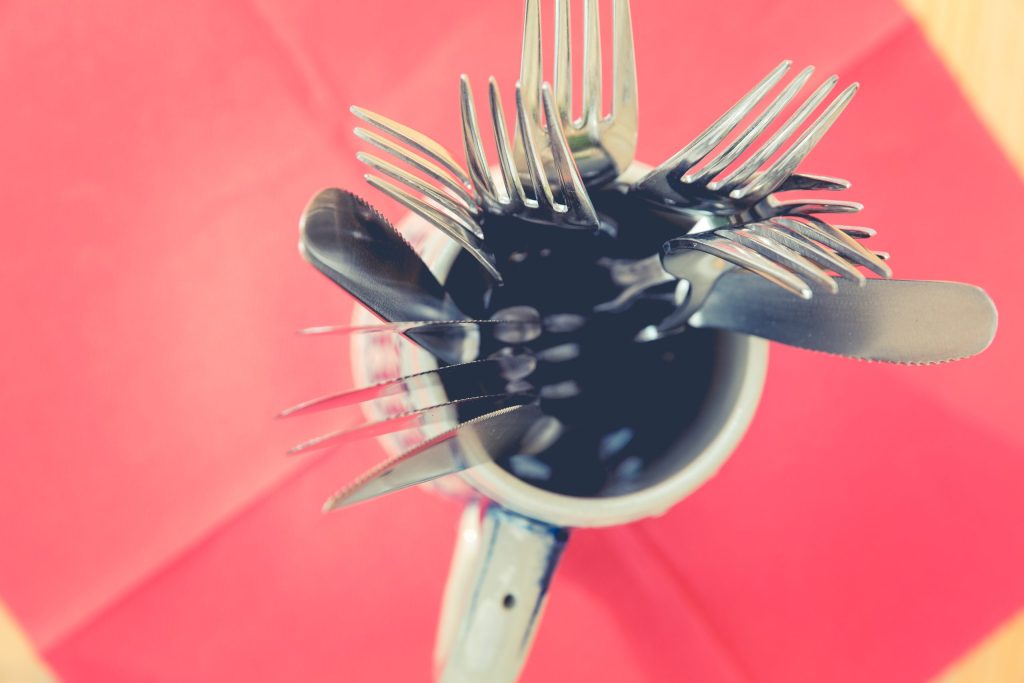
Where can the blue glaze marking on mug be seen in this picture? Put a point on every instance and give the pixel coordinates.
(555, 540)
(559, 537)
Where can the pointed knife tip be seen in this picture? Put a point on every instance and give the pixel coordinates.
(339, 500)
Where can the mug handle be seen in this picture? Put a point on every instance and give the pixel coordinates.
(496, 591)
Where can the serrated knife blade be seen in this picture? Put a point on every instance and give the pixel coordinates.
(488, 438)
(896, 321)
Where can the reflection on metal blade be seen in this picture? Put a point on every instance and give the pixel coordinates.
(488, 376)
(445, 415)
(396, 327)
(353, 245)
(492, 437)
(895, 321)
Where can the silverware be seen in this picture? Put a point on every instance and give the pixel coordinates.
(910, 322)
(896, 321)
(721, 192)
(520, 191)
(788, 252)
(490, 438)
(575, 208)
(349, 242)
(353, 245)
(588, 279)
(397, 327)
(460, 340)
(455, 217)
(679, 182)
(735, 216)
(603, 145)
(452, 412)
(471, 390)
(487, 377)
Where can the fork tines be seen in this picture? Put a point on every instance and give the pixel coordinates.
(837, 239)
(525, 189)
(453, 208)
(793, 253)
(494, 436)
(457, 198)
(604, 144)
(446, 413)
(754, 178)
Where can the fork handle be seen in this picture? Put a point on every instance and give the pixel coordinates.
(496, 593)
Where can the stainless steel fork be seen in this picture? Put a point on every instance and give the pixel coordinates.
(575, 208)
(735, 215)
(679, 181)
(460, 197)
(793, 253)
(602, 144)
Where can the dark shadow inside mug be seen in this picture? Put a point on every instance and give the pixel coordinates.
(623, 417)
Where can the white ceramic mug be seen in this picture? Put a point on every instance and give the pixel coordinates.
(512, 533)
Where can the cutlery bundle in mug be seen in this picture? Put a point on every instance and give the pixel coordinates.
(574, 333)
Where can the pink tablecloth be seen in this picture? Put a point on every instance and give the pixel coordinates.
(156, 157)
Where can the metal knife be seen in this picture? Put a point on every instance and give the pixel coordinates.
(488, 438)
(349, 242)
(896, 321)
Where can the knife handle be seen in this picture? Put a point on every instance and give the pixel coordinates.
(495, 595)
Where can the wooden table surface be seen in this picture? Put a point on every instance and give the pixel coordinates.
(979, 41)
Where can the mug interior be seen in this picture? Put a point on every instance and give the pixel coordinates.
(738, 362)
(728, 408)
